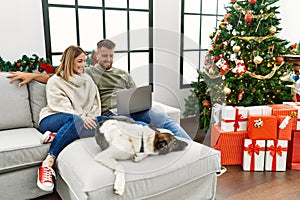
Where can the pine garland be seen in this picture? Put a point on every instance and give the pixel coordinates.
(35, 63)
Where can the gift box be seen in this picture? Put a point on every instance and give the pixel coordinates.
(293, 156)
(284, 131)
(292, 103)
(254, 155)
(230, 144)
(286, 110)
(262, 127)
(234, 118)
(259, 110)
(276, 155)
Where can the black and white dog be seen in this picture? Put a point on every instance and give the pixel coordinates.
(122, 139)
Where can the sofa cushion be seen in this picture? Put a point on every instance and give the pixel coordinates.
(173, 112)
(154, 175)
(21, 148)
(14, 104)
(37, 95)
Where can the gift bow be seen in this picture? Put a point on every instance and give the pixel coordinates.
(276, 150)
(238, 118)
(258, 123)
(252, 148)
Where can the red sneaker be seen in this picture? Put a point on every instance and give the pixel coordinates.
(48, 137)
(45, 178)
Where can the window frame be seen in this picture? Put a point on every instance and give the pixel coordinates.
(47, 31)
(200, 49)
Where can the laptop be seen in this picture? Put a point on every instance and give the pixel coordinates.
(133, 100)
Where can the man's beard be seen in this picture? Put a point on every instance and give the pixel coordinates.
(106, 67)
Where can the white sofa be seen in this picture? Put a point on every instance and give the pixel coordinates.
(190, 174)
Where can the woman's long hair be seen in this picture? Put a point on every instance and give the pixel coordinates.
(65, 69)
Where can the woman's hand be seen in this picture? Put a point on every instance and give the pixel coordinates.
(89, 123)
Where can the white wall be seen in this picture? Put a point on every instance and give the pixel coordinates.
(289, 11)
(21, 29)
(167, 53)
(22, 33)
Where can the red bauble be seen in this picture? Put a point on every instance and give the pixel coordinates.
(206, 104)
(233, 1)
(279, 59)
(252, 1)
(18, 64)
(248, 17)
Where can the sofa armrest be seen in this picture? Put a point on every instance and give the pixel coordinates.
(173, 112)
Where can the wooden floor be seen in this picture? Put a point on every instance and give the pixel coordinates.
(236, 184)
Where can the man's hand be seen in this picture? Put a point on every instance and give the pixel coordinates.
(23, 76)
(26, 77)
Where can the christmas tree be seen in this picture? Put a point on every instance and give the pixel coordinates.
(245, 64)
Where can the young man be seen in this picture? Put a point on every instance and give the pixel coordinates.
(108, 80)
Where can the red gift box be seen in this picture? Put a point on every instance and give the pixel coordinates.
(286, 110)
(293, 157)
(254, 155)
(284, 127)
(230, 144)
(262, 127)
(276, 155)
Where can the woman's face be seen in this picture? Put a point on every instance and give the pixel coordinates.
(79, 64)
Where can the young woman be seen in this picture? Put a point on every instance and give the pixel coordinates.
(73, 103)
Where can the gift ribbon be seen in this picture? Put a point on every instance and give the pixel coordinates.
(275, 149)
(238, 118)
(253, 149)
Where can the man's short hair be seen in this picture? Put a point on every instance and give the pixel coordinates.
(106, 43)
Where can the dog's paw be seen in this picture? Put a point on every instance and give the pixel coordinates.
(137, 157)
(119, 185)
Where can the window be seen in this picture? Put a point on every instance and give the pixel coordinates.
(198, 20)
(84, 22)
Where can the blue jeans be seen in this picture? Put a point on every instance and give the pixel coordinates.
(68, 128)
(160, 120)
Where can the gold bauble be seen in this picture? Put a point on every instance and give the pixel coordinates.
(236, 48)
(273, 29)
(257, 60)
(227, 90)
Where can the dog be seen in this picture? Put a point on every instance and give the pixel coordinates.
(123, 139)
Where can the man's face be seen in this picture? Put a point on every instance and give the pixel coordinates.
(105, 57)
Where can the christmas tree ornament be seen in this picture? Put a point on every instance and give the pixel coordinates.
(233, 1)
(240, 67)
(252, 2)
(226, 16)
(273, 29)
(279, 59)
(253, 90)
(227, 90)
(223, 25)
(206, 104)
(268, 56)
(248, 16)
(236, 48)
(223, 66)
(240, 96)
(229, 27)
(257, 60)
